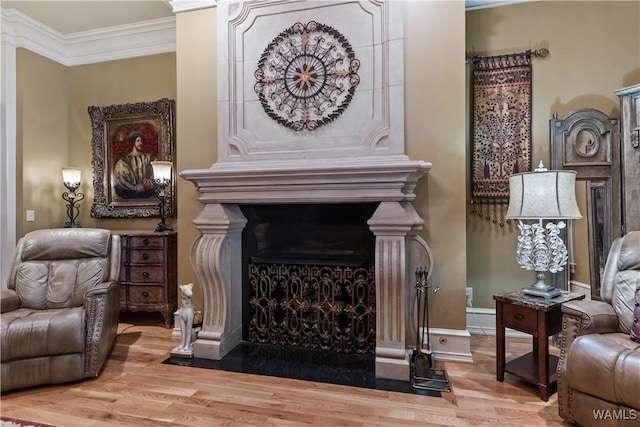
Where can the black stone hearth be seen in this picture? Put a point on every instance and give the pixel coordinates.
(356, 370)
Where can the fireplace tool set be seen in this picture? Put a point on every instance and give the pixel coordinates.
(423, 375)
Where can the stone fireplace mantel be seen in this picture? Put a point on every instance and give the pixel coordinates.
(359, 157)
(217, 254)
(340, 181)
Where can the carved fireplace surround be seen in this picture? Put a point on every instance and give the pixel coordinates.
(357, 158)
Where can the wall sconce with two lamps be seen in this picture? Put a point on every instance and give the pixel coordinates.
(162, 178)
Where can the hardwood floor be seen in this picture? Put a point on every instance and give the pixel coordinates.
(136, 389)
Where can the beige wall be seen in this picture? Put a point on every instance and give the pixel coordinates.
(43, 129)
(142, 79)
(196, 125)
(435, 132)
(434, 74)
(594, 49)
(54, 128)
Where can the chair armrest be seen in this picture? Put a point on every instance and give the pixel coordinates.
(9, 300)
(102, 307)
(580, 318)
(588, 317)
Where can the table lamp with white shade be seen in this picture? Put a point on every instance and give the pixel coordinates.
(548, 197)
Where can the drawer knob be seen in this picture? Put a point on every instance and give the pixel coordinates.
(518, 316)
(145, 256)
(145, 294)
(145, 242)
(145, 274)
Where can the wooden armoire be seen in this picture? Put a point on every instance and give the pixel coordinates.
(605, 153)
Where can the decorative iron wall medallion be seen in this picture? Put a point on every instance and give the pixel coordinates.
(307, 76)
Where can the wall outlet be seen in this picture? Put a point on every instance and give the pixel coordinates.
(31, 216)
(469, 292)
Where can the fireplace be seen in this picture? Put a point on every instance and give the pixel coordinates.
(309, 276)
(327, 234)
(348, 151)
(398, 249)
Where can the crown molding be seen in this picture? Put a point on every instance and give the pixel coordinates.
(120, 42)
(88, 47)
(486, 4)
(187, 5)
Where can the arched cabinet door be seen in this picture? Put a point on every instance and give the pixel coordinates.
(587, 141)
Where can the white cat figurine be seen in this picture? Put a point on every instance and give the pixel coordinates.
(185, 318)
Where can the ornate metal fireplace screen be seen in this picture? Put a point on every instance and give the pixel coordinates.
(326, 307)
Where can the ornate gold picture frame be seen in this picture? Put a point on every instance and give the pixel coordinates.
(125, 139)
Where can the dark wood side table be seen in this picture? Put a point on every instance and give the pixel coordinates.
(539, 317)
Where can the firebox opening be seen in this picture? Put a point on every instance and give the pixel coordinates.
(308, 276)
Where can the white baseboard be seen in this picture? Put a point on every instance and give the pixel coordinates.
(457, 344)
(482, 321)
(454, 345)
(450, 345)
(582, 288)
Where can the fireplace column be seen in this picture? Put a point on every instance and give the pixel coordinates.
(391, 223)
(217, 260)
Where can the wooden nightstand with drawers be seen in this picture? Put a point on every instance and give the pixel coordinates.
(148, 272)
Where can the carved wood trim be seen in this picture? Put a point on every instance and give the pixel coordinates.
(587, 141)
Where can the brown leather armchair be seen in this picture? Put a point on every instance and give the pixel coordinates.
(599, 366)
(61, 309)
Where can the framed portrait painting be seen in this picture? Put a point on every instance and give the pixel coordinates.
(125, 140)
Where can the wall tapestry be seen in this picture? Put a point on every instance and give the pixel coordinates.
(307, 76)
(501, 129)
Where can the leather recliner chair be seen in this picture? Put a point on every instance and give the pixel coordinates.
(61, 308)
(599, 365)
